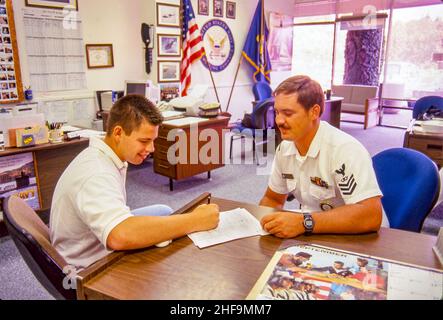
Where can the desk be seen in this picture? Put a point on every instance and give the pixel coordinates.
(188, 168)
(430, 144)
(229, 270)
(383, 106)
(50, 162)
(332, 111)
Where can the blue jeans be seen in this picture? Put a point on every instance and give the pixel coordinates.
(154, 210)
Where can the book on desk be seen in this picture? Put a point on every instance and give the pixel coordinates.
(313, 272)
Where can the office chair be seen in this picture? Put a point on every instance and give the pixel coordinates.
(262, 119)
(31, 236)
(410, 184)
(262, 90)
(423, 104)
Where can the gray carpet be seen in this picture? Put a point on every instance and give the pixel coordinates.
(236, 182)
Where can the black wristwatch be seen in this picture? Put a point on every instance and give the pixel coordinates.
(308, 223)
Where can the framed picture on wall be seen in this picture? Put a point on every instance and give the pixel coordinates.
(99, 56)
(230, 9)
(168, 15)
(218, 8)
(11, 88)
(53, 4)
(203, 7)
(168, 45)
(168, 71)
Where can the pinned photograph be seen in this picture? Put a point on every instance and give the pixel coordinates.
(168, 45)
(168, 15)
(169, 91)
(2, 10)
(5, 30)
(3, 20)
(168, 71)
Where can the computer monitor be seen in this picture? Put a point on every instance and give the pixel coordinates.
(143, 87)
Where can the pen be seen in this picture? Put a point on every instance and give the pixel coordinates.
(190, 205)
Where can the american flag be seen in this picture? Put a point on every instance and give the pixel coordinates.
(193, 48)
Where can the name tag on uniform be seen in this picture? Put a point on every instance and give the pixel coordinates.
(287, 176)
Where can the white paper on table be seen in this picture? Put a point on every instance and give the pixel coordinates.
(184, 121)
(233, 224)
(408, 283)
(87, 133)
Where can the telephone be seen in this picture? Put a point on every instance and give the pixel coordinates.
(147, 32)
(164, 106)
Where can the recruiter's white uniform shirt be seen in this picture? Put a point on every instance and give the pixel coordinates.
(336, 170)
(89, 201)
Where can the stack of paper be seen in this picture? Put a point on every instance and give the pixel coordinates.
(87, 133)
(170, 115)
(234, 224)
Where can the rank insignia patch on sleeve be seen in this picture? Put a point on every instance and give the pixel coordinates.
(347, 184)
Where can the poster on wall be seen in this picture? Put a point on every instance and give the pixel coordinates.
(280, 41)
(10, 81)
(219, 45)
(17, 177)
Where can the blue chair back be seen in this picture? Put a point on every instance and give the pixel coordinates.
(262, 90)
(424, 103)
(263, 116)
(410, 184)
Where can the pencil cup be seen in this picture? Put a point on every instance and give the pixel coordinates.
(55, 136)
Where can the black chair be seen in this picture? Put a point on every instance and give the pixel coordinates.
(31, 236)
(262, 119)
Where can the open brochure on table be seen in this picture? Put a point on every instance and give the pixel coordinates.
(234, 224)
(311, 272)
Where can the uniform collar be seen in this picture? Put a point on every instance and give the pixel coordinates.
(314, 148)
(99, 143)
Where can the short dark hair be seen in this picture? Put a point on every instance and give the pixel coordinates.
(309, 91)
(303, 254)
(129, 112)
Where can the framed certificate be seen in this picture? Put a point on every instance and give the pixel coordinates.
(99, 56)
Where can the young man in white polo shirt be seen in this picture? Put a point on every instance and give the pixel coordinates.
(328, 171)
(89, 216)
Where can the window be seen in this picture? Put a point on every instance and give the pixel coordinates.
(416, 41)
(313, 46)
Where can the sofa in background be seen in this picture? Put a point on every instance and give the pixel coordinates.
(359, 99)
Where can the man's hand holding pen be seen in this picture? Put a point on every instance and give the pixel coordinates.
(207, 216)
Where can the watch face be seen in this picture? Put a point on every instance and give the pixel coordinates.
(308, 223)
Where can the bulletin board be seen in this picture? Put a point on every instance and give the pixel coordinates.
(11, 89)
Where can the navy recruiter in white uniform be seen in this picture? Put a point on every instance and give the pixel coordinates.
(89, 216)
(328, 171)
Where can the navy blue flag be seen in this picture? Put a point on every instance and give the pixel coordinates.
(255, 50)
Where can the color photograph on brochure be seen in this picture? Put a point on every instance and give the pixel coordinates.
(17, 177)
(309, 272)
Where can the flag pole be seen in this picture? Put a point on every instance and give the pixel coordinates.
(241, 57)
(233, 84)
(212, 78)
